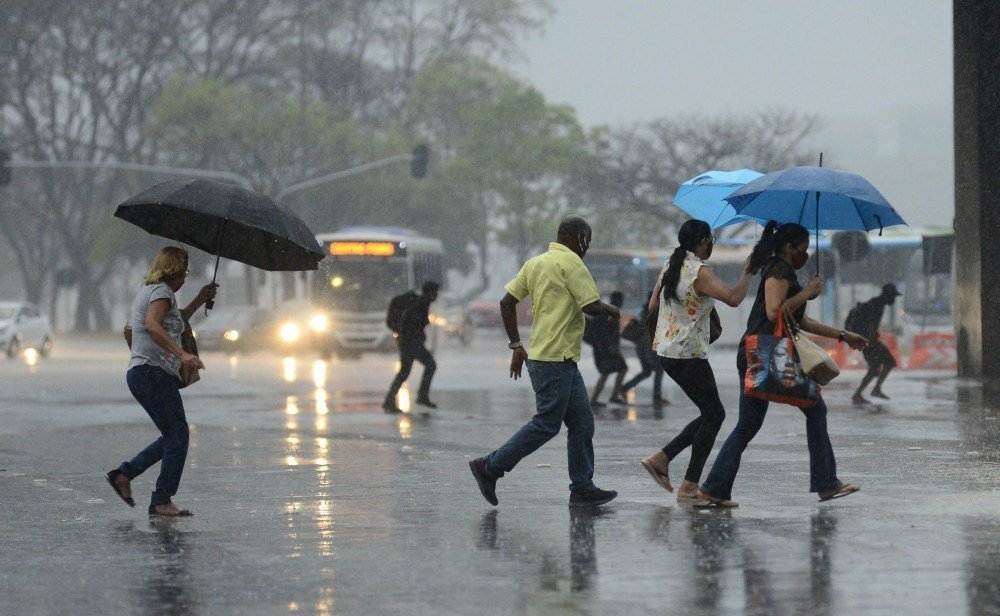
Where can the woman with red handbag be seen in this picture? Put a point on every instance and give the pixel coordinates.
(683, 332)
(780, 251)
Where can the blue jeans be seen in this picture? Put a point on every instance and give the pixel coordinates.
(158, 394)
(822, 464)
(560, 397)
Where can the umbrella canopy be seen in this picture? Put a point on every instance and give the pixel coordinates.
(703, 197)
(226, 221)
(816, 198)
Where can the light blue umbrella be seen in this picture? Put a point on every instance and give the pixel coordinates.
(703, 197)
(816, 198)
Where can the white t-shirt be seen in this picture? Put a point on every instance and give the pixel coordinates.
(682, 328)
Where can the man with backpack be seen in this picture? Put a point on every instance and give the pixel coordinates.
(864, 319)
(407, 316)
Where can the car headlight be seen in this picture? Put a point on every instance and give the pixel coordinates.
(289, 332)
(320, 323)
(231, 335)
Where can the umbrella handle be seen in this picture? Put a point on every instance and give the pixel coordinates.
(210, 304)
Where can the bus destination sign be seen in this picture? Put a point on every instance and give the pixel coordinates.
(362, 249)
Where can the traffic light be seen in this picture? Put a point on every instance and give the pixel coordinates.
(5, 175)
(418, 164)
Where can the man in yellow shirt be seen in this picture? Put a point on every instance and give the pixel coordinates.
(561, 290)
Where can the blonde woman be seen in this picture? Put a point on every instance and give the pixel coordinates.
(153, 377)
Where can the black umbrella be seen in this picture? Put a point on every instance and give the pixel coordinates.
(226, 221)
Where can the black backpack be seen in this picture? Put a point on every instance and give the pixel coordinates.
(398, 307)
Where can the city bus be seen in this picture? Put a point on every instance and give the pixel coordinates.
(340, 308)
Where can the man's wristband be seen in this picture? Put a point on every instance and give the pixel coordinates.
(515, 345)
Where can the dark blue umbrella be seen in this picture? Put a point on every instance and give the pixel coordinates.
(816, 198)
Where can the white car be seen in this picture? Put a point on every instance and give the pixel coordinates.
(23, 327)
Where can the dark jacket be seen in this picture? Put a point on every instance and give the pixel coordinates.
(415, 320)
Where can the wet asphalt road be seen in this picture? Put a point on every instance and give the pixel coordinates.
(308, 499)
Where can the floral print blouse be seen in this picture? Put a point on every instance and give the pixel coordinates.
(682, 328)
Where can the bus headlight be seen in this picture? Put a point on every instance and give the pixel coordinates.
(320, 323)
(231, 335)
(289, 332)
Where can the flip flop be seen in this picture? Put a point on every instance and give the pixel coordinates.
(661, 478)
(111, 476)
(845, 489)
(714, 502)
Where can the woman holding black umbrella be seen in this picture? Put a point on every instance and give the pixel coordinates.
(780, 251)
(154, 378)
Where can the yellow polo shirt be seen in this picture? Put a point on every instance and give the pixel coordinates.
(559, 285)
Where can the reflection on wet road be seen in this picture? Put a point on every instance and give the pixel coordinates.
(309, 499)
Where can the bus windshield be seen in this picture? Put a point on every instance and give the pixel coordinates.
(358, 284)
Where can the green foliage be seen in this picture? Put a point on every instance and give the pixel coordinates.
(509, 156)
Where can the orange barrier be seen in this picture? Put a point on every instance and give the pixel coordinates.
(934, 351)
(849, 359)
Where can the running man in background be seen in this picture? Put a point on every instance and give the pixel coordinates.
(865, 319)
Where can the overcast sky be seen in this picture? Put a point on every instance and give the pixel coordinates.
(857, 63)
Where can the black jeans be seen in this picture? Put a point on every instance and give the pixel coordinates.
(697, 381)
(650, 367)
(408, 352)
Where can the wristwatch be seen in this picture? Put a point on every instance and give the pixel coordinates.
(843, 334)
(515, 345)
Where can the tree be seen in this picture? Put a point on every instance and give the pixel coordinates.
(77, 82)
(640, 168)
(508, 154)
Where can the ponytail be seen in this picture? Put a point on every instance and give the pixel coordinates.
(672, 276)
(772, 241)
(689, 236)
(764, 248)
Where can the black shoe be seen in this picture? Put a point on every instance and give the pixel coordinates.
(592, 498)
(183, 513)
(391, 408)
(487, 484)
(426, 402)
(112, 476)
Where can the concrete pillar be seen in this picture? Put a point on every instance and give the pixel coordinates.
(977, 189)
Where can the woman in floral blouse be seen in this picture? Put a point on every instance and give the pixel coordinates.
(689, 289)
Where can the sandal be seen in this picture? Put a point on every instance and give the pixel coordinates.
(715, 501)
(659, 477)
(845, 489)
(112, 476)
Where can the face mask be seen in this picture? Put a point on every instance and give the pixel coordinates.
(799, 259)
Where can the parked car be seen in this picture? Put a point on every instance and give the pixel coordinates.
(232, 328)
(22, 326)
(484, 310)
